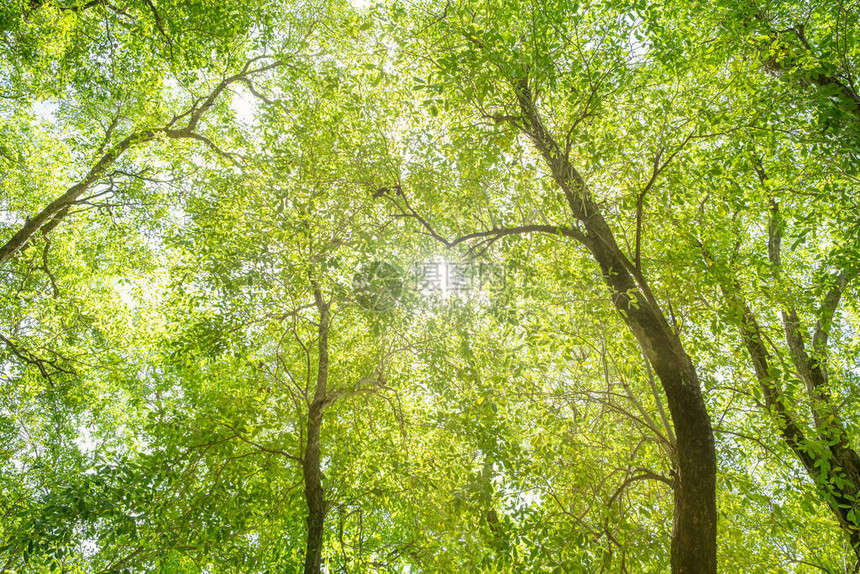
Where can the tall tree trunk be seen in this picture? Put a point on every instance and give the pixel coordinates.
(312, 473)
(694, 532)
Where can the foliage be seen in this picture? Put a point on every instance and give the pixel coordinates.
(221, 231)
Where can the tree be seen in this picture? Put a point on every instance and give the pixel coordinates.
(239, 330)
(500, 75)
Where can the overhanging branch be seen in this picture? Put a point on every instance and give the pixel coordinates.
(478, 239)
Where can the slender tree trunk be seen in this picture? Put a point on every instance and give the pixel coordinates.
(311, 470)
(56, 210)
(314, 495)
(832, 451)
(694, 532)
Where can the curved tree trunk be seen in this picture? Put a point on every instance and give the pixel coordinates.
(694, 532)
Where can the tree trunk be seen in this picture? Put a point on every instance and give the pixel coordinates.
(311, 470)
(694, 532)
(314, 495)
(820, 461)
(51, 215)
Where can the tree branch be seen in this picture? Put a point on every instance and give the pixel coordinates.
(645, 474)
(751, 336)
(57, 209)
(41, 364)
(260, 447)
(828, 309)
(640, 199)
(487, 237)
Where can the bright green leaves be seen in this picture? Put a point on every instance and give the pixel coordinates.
(514, 429)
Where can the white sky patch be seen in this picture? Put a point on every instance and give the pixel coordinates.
(89, 547)
(137, 289)
(638, 47)
(46, 111)
(10, 219)
(85, 441)
(7, 369)
(529, 498)
(245, 106)
(440, 276)
(432, 276)
(126, 294)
